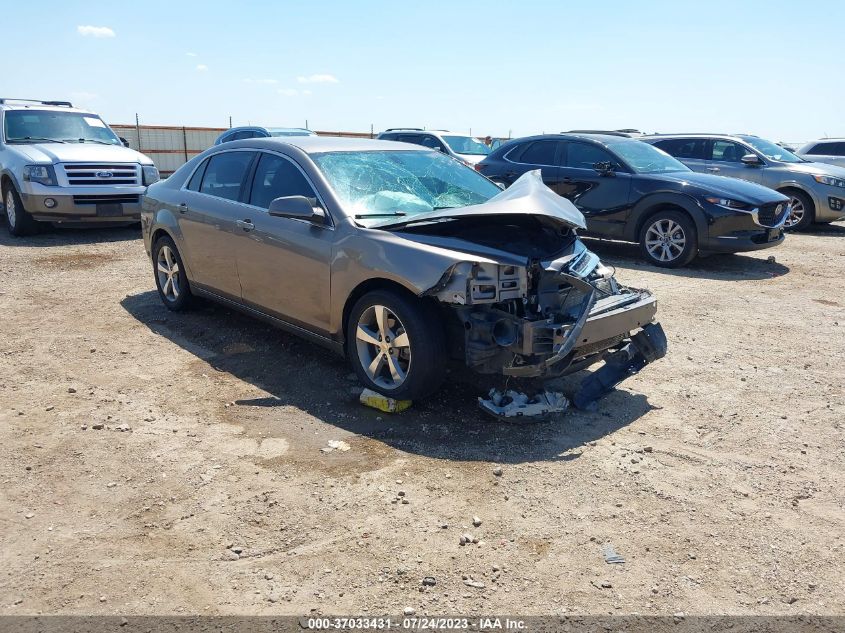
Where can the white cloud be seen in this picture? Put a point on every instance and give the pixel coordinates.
(288, 92)
(95, 31)
(191, 54)
(306, 92)
(318, 79)
(267, 82)
(202, 68)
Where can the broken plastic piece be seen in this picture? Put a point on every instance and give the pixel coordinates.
(610, 555)
(645, 347)
(512, 404)
(383, 403)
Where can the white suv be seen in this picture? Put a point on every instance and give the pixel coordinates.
(62, 164)
(464, 147)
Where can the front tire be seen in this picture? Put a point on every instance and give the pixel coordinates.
(395, 343)
(18, 220)
(668, 239)
(171, 280)
(802, 212)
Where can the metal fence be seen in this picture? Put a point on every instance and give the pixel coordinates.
(170, 146)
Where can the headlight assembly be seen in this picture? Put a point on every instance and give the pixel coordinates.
(830, 180)
(42, 174)
(727, 203)
(150, 174)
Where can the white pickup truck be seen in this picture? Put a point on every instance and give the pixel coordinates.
(62, 164)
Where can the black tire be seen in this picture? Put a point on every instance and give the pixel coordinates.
(423, 326)
(680, 227)
(808, 210)
(18, 221)
(175, 293)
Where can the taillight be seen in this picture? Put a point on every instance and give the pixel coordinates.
(479, 166)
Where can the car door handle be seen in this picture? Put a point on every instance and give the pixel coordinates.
(712, 169)
(567, 180)
(183, 207)
(246, 225)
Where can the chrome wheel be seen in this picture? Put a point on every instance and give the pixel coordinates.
(384, 350)
(167, 269)
(796, 213)
(665, 240)
(10, 208)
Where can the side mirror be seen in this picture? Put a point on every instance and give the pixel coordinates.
(604, 168)
(298, 208)
(124, 141)
(750, 159)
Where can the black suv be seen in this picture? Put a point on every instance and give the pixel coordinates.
(630, 190)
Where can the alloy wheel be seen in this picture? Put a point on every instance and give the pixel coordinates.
(10, 208)
(665, 240)
(796, 213)
(167, 269)
(384, 349)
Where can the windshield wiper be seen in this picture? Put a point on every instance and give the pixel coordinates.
(93, 140)
(364, 216)
(28, 139)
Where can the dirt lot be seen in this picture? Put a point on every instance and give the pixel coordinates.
(138, 446)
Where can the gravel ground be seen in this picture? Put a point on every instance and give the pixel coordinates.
(155, 463)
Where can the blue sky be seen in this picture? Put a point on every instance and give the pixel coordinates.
(772, 68)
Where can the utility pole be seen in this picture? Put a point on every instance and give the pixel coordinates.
(230, 121)
(138, 131)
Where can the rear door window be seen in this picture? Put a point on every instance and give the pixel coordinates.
(225, 174)
(684, 148)
(537, 153)
(828, 149)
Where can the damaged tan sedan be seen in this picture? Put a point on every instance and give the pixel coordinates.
(401, 258)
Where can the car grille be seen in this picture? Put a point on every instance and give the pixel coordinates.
(771, 214)
(86, 174)
(106, 199)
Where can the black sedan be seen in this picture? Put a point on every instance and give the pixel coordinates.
(629, 190)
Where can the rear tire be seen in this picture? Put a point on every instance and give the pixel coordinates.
(174, 290)
(18, 220)
(396, 344)
(803, 212)
(668, 239)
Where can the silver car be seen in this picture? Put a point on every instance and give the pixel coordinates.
(825, 150)
(62, 164)
(466, 148)
(816, 190)
(398, 257)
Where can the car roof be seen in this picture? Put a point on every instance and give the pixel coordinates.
(42, 108)
(604, 139)
(696, 135)
(407, 130)
(321, 144)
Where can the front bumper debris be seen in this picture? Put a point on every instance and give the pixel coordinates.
(512, 405)
(645, 347)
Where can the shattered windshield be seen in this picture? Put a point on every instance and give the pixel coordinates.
(373, 186)
(39, 126)
(467, 145)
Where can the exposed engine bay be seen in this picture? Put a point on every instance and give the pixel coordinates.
(555, 310)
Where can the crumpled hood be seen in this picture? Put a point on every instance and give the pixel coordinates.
(696, 184)
(80, 153)
(527, 196)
